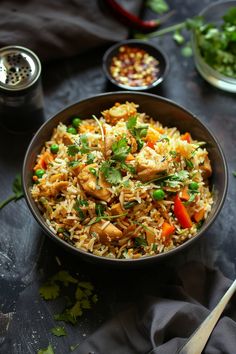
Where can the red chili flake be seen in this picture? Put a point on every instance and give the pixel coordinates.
(134, 67)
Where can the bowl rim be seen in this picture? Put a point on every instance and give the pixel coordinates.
(138, 42)
(200, 62)
(118, 261)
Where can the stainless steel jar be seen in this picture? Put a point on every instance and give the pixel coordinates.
(21, 97)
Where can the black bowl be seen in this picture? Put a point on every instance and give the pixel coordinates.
(154, 51)
(168, 113)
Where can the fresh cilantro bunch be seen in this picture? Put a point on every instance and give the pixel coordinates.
(217, 44)
(112, 168)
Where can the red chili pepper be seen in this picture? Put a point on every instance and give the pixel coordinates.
(130, 19)
(181, 213)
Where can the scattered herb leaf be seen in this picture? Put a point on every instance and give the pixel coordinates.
(129, 205)
(139, 241)
(74, 163)
(111, 174)
(59, 331)
(49, 291)
(90, 158)
(72, 150)
(158, 6)
(48, 350)
(82, 299)
(99, 209)
(17, 190)
(84, 144)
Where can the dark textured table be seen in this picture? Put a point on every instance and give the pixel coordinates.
(27, 257)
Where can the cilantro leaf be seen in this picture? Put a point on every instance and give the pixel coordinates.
(131, 123)
(111, 174)
(48, 350)
(49, 291)
(139, 241)
(120, 149)
(99, 209)
(230, 16)
(64, 277)
(138, 132)
(59, 331)
(84, 144)
(180, 176)
(74, 163)
(158, 6)
(129, 205)
(234, 173)
(90, 158)
(17, 187)
(189, 163)
(72, 150)
(17, 190)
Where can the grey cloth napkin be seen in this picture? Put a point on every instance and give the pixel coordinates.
(55, 29)
(161, 324)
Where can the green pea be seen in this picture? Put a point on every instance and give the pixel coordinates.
(193, 186)
(60, 230)
(39, 173)
(54, 148)
(158, 194)
(71, 130)
(76, 122)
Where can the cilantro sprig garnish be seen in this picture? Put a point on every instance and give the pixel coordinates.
(120, 150)
(111, 174)
(82, 299)
(82, 146)
(171, 180)
(138, 131)
(17, 192)
(112, 168)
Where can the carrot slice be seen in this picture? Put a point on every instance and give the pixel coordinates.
(187, 137)
(167, 229)
(184, 194)
(181, 213)
(43, 161)
(199, 215)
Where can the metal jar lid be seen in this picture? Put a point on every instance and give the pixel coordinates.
(20, 68)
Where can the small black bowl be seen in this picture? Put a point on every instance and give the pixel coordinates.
(169, 114)
(154, 51)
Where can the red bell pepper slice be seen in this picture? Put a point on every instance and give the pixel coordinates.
(181, 213)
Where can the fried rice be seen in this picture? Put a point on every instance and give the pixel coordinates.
(122, 186)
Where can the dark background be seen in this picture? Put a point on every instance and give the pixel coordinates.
(27, 257)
